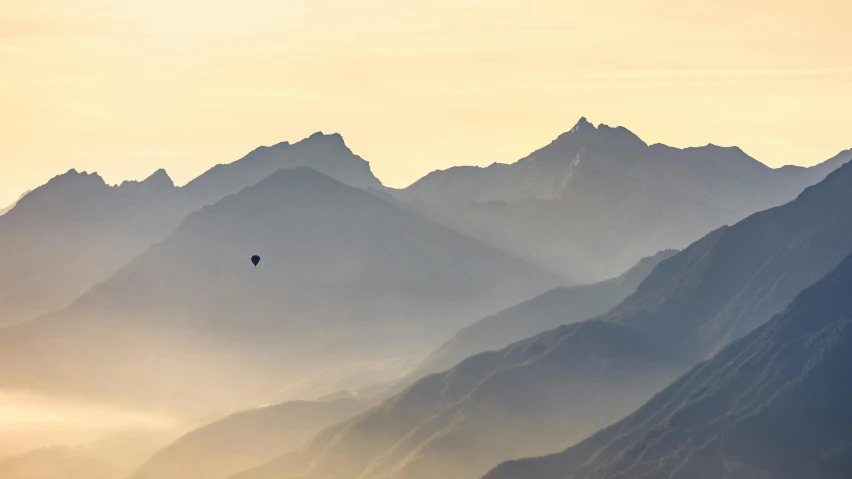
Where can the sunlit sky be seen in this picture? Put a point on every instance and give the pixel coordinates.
(123, 87)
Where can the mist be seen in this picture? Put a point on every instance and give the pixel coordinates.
(288, 315)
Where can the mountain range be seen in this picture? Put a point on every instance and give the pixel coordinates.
(142, 294)
(75, 231)
(774, 404)
(544, 393)
(596, 199)
(342, 272)
(586, 207)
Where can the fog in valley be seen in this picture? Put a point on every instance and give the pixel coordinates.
(380, 240)
(378, 334)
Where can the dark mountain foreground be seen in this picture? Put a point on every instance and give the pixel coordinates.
(774, 404)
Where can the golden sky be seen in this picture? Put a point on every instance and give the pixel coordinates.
(124, 87)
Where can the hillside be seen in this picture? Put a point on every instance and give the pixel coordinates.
(245, 439)
(773, 404)
(554, 308)
(72, 232)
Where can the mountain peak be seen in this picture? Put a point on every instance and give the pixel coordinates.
(603, 133)
(582, 125)
(325, 153)
(159, 175)
(331, 137)
(159, 180)
(73, 176)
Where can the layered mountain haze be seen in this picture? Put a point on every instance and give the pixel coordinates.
(71, 233)
(246, 439)
(344, 276)
(139, 301)
(76, 230)
(554, 308)
(587, 206)
(544, 393)
(493, 406)
(112, 457)
(596, 199)
(774, 404)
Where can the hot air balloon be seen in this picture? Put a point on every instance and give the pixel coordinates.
(255, 259)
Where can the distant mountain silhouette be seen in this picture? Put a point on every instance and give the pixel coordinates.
(76, 230)
(554, 308)
(774, 404)
(344, 275)
(245, 439)
(327, 154)
(5, 210)
(71, 233)
(596, 199)
(543, 394)
(589, 222)
(113, 457)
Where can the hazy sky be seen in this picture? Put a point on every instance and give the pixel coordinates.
(123, 87)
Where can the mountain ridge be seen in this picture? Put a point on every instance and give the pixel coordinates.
(768, 405)
(73, 231)
(111, 224)
(561, 385)
(556, 307)
(337, 263)
(604, 192)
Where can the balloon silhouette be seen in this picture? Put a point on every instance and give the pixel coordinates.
(255, 259)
